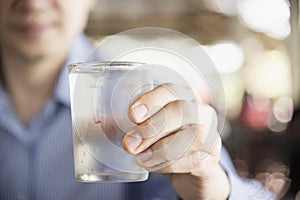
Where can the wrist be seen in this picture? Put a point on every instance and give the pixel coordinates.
(217, 183)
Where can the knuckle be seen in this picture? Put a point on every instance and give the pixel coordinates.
(197, 132)
(211, 111)
(190, 111)
(196, 162)
(187, 105)
(165, 150)
(175, 107)
(206, 115)
(170, 168)
(170, 92)
(143, 98)
(168, 85)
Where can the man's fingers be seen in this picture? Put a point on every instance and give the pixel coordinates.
(173, 117)
(169, 150)
(193, 162)
(151, 102)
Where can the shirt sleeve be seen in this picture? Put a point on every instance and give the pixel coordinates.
(241, 188)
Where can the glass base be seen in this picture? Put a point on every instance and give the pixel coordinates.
(109, 177)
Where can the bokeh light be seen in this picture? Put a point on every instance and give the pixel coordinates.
(269, 76)
(226, 7)
(228, 56)
(267, 16)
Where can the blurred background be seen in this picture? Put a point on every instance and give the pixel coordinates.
(255, 47)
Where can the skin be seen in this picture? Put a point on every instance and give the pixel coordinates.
(35, 37)
(171, 140)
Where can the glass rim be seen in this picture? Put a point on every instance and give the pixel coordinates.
(103, 65)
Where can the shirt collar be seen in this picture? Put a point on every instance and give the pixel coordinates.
(79, 52)
(4, 99)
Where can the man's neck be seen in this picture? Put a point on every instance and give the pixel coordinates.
(30, 82)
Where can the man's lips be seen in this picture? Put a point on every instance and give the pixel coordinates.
(34, 29)
(30, 27)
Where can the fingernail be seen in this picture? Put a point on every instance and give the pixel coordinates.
(133, 141)
(145, 155)
(140, 111)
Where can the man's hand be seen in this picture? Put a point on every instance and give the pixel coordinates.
(176, 134)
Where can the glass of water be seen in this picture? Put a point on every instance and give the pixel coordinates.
(101, 93)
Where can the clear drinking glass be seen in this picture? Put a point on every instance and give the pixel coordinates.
(101, 93)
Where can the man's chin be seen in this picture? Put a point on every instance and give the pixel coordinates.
(34, 52)
(32, 48)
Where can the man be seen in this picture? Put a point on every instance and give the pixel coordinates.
(38, 39)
